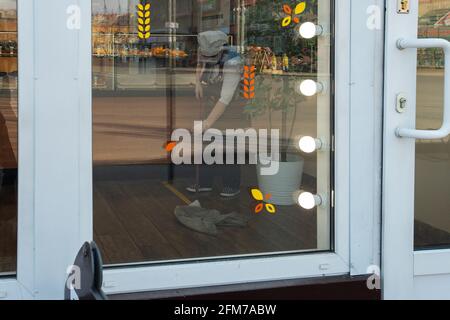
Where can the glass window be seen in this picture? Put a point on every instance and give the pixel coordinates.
(432, 199)
(8, 136)
(212, 128)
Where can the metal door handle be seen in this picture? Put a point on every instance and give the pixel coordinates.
(444, 131)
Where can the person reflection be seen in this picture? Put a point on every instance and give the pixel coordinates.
(218, 75)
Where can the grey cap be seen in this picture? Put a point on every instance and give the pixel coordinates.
(210, 44)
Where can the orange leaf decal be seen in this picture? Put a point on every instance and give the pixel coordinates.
(287, 9)
(259, 208)
(170, 145)
(249, 82)
(296, 20)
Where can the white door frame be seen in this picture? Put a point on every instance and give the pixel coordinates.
(55, 176)
(55, 161)
(406, 274)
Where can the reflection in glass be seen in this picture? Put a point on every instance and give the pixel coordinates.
(231, 65)
(8, 136)
(432, 199)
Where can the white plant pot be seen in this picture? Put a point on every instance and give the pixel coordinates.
(285, 184)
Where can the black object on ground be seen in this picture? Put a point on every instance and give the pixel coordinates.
(85, 278)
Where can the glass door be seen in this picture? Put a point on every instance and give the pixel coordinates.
(423, 253)
(212, 130)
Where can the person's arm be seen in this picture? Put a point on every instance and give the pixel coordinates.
(231, 80)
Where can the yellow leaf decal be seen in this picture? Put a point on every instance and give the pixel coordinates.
(140, 6)
(140, 28)
(257, 195)
(147, 35)
(300, 8)
(140, 21)
(271, 208)
(147, 6)
(147, 14)
(141, 35)
(147, 28)
(140, 14)
(286, 21)
(147, 21)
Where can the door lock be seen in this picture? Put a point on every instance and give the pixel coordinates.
(402, 103)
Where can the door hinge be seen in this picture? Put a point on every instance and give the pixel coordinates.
(332, 199)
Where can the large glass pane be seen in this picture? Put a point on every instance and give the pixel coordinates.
(432, 200)
(167, 188)
(8, 136)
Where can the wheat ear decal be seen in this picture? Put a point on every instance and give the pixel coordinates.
(143, 20)
(249, 82)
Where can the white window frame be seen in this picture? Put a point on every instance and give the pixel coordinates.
(234, 271)
(55, 218)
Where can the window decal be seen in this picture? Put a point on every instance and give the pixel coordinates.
(292, 16)
(258, 196)
(248, 84)
(143, 19)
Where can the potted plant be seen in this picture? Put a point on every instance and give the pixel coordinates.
(276, 99)
(275, 95)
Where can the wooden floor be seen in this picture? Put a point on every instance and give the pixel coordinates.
(135, 222)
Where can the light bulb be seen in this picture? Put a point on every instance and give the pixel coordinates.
(309, 144)
(310, 87)
(309, 30)
(309, 201)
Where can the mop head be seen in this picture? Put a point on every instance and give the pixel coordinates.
(206, 221)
